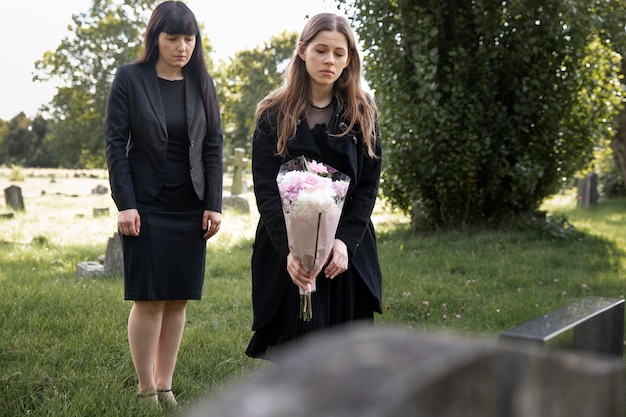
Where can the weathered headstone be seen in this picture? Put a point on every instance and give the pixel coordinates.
(592, 324)
(235, 201)
(239, 164)
(89, 269)
(100, 211)
(114, 257)
(388, 372)
(588, 190)
(13, 198)
(111, 264)
(99, 189)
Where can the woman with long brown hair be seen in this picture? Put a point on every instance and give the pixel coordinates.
(320, 112)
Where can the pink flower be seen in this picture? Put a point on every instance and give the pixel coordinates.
(340, 187)
(311, 180)
(312, 196)
(318, 167)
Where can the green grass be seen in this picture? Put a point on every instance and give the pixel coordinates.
(63, 345)
(64, 350)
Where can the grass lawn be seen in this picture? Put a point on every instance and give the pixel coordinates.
(63, 345)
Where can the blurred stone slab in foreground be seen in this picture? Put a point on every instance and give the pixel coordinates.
(391, 372)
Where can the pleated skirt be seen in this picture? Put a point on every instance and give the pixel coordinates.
(338, 301)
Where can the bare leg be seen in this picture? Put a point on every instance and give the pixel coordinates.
(173, 324)
(144, 329)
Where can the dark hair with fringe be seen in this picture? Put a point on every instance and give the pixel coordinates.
(175, 18)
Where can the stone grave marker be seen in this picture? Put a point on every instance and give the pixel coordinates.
(13, 198)
(239, 164)
(112, 263)
(587, 190)
(100, 211)
(376, 371)
(100, 189)
(114, 256)
(592, 324)
(89, 269)
(235, 201)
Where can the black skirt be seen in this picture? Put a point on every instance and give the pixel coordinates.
(167, 260)
(344, 299)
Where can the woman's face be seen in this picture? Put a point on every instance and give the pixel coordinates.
(326, 56)
(175, 50)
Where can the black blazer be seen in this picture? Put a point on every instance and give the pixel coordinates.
(136, 139)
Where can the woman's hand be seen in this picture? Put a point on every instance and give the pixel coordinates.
(211, 221)
(129, 222)
(338, 260)
(298, 274)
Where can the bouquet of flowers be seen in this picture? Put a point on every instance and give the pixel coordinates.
(312, 195)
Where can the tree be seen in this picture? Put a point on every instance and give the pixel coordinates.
(22, 142)
(99, 41)
(486, 106)
(618, 142)
(243, 82)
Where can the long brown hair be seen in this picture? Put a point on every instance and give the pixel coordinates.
(290, 101)
(175, 18)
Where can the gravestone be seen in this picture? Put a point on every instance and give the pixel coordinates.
(239, 164)
(99, 189)
(89, 269)
(114, 257)
(373, 371)
(100, 211)
(235, 201)
(112, 263)
(588, 190)
(13, 198)
(592, 324)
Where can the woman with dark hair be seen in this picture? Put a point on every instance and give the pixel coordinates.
(322, 113)
(164, 153)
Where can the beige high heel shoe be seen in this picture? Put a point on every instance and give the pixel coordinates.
(150, 399)
(167, 397)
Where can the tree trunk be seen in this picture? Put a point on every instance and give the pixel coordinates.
(618, 144)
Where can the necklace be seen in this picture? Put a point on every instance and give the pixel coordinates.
(320, 108)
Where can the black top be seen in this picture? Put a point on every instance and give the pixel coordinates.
(177, 192)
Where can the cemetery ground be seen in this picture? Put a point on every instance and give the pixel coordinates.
(63, 344)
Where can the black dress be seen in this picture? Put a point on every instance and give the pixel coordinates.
(166, 261)
(343, 299)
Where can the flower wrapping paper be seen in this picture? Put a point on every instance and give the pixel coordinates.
(312, 195)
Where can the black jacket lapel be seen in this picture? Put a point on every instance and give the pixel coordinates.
(151, 84)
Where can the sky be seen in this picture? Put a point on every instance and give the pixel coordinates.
(32, 27)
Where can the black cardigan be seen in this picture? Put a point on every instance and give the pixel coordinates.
(270, 278)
